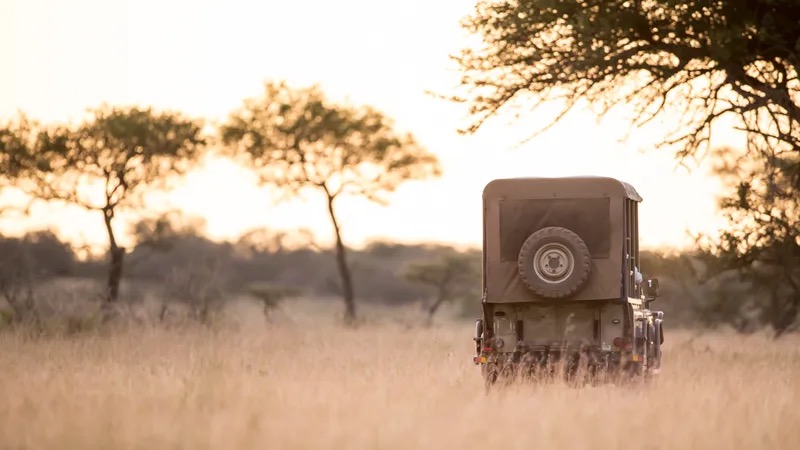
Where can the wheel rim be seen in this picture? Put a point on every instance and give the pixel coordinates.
(553, 263)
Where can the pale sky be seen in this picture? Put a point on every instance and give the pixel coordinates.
(204, 57)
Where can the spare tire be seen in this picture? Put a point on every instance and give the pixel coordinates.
(554, 262)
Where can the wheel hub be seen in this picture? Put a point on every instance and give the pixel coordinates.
(553, 263)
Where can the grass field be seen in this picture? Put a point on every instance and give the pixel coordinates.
(316, 385)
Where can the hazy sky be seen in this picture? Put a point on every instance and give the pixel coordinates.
(204, 57)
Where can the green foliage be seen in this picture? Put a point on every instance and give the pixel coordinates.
(297, 139)
(15, 137)
(7, 316)
(762, 208)
(118, 152)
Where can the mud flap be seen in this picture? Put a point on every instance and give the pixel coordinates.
(658, 339)
(478, 336)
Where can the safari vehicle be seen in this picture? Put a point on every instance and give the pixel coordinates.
(561, 281)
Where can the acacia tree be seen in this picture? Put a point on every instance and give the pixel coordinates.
(452, 277)
(297, 140)
(104, 164)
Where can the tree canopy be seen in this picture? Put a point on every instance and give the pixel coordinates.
(297, 139)
(701, 59)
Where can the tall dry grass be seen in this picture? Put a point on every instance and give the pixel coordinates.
(306, 384)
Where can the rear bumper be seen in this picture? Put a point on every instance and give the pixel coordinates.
(549, 354)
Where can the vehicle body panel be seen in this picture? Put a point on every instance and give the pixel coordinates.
(515, 208)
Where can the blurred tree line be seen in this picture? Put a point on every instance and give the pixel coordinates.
(169, 258)
(169, 255)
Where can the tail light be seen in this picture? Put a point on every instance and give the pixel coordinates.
(623, 343)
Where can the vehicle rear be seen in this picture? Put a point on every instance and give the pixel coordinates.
(527, 338)
(559, 275)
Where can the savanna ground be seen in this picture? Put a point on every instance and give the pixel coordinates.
(304, 382)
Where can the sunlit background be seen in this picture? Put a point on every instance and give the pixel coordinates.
(204, 57)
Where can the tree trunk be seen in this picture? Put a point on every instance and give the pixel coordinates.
(784, 312)
(344, 269)
(117, 254)
(441, 298)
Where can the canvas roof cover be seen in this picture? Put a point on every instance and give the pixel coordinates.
(592, 207)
